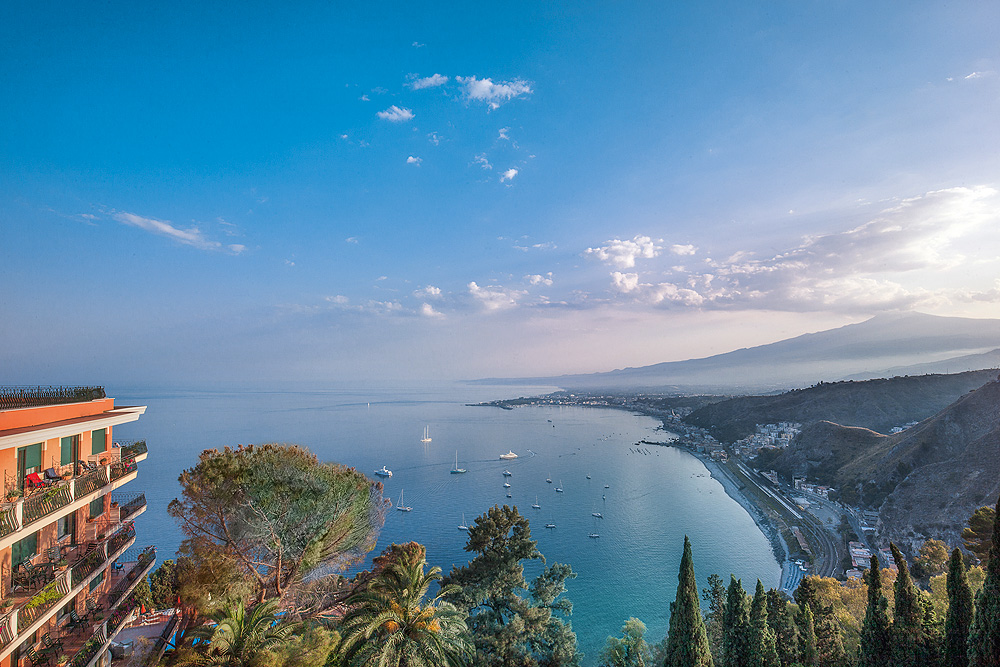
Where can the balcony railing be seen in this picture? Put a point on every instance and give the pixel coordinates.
(90, 650)
(160, 645)
(119, 539)
(43, 600)
(139, 568)
(8, 520)
(129, 505)
(91, 481)
(6, 632)
(136, 448)
(29, 397)
(45, 501)
(123, 466)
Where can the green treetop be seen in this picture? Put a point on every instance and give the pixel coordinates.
(876, 642)
(687, 641)
(736, 649)
(763, 650)
(959, 618)
(907, 624)
(984, 635)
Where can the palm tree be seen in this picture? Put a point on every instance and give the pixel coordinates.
(241, 633)
(391, 625)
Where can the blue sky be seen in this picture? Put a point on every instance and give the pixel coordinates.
(195, 192)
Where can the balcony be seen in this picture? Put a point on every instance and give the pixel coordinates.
(129, 506)
(45, 501)
(12, 398)
(55, 586)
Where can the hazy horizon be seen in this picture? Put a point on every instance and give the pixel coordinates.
(192, 194)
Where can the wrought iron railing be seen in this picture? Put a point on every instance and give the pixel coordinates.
(6, 635)
(91, 481)
(133, 448)
(87, 566)
(89, 650)
(29, 397)
(123, 466)
(129, 505)
(42, 601)
(160, 645)
(142, 563)
(119, 615)
(119, 539)
(8, 520)
(45, 501)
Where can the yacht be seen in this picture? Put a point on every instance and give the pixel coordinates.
(588, 476)
(427, 435)
(507, 473)
(384, 472)
(456, 470)
(559, 488)
(400, 506)
(509, 455)
(462, 525)
(506, 485)
(536, 505)
(550, 525)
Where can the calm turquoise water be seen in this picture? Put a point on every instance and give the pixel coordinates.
(651, 503)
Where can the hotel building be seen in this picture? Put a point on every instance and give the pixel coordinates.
(68, 564)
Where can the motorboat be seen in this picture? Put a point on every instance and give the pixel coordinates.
(384, 472)
(509, 455)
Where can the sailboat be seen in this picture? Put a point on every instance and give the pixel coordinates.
(559, 488)
(427, 434)
(462, 525)
(536, 505)
(400, 506)
(594, 534)
(507, 473)
(506, 485)
(456, 470)
(550, 524)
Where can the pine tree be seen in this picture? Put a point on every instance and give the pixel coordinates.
(780, 620)
(763, 651)
(875, 646)
(736, 626)
(984, 634)
(907, 625)
(807, 636)
(687, 641)
(959, 618)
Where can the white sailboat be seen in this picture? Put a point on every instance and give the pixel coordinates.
(559, 488)
(536, 505)
(462, 525)
(456, 470)
(427, 435)
(400, 506)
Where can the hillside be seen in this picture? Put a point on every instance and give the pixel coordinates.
(883, 342)
(873, 404)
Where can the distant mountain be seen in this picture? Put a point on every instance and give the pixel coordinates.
(883, 342)
(968, 362)
(873, 405)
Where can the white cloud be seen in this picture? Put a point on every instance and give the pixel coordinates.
(434, 138)
(885, 263)
(414, 160)
(418, 45)
(482, 161)
(427, 310)
(381, 278)
(975, 75)
(508, 175)
(428, 292)
(339, 299)
(683, 249)
(191, 236)
(538, 279)
(496, 297)
(352, 239)
(495, 94)
(432, 81)
(624, 253)
(503, 134)
(395, 115)
(365, 98)
(289, 262)
(88, 216)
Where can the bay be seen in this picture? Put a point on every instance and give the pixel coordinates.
(653, 499)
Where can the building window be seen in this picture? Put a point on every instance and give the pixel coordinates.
(24, 549)
(66, 526)
(97, 581)
(68, 448)
(98, 441)
(97, 507)
(29, 460)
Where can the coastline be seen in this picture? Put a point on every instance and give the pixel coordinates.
(789, 569)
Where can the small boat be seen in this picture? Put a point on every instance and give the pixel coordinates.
(550, 525)
(507, 473)
(548, 479)
(400, 506)
(427, 434)
(607, 486)
(597, 514)
(509, 455)
(384, 472)
(508, 495)
(594, 534)
(588, 476)
(456, 470)
(506, 485)
(559, 488)
(536, 505)
(462, 525)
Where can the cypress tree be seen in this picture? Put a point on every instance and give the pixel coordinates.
(876, 644)
(780, 620)
(984, 634)
(687, 642)
(763, 651)
(807, 636)
(959, 617)
(736, 626)
(907, 626)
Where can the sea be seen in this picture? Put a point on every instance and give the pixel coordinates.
(649, 496)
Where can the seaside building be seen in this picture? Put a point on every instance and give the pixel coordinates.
(68, 567)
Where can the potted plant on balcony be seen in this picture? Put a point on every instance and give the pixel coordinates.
(68, 475)
(13, 494)
(62, 660)
(6, 604)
